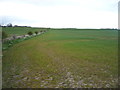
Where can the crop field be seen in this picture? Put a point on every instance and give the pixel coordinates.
(63, 59)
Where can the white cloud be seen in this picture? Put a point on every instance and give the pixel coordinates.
(62, 13)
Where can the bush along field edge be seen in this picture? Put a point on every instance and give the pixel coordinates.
(10, 41)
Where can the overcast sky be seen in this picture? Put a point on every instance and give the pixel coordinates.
(61, 13)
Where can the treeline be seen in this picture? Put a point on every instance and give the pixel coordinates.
(84, 29)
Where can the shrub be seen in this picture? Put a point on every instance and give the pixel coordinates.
(36, 32)
(30, 33)
(4, 35)
(41, 31)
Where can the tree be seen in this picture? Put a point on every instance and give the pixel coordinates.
(4, 35)
(30, 33)
(5, 20)
(9, 25)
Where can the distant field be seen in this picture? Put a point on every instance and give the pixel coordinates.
(63, 58)
(20, 30)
